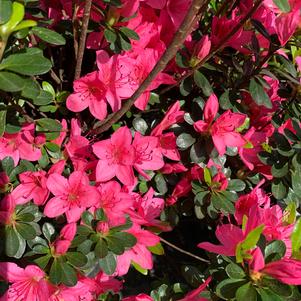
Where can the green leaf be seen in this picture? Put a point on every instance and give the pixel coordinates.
(207, 176)
(101, 249)
(267, 295)
(87, 217)
(27, 231)
(10, 82)
(127, 240)
(43, 261)
(69, 277)
(26, 64)
(283, 5)
(43, 98)
(252, 238)
(2, 121)
(236, 185)
(202, 82)
(56, 272)
(279, 189)
(131, 34)
(274, 251)
(157, 249)
(108, 263)
(12, 242)
(296, 239)
(246, 293)
(50, 127)
(140, 125)
(115, 245)
(49, 36)
(259, 95)
(227, 288)
(280, 170)
(235, 271)
(5, 10)
(185, 140)
(277, 287)
(76, 258)
(7, 165)
(110, 35)
(48, 231)
(139, 268)
(161, 184)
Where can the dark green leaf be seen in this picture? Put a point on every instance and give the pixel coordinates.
(48, 231)
(27, 231)
(12, 242)
(274, 251)
(246, 293)
(56, 272)
(277, 287)
(202, 82)
(115, 245)
(140, 125)
(11, 82)
(26, 64)
(129, 33)
(279, 189)
(235, 271)
(7, 165)
(42, 262)
(267, 295)
(101, 249)
(185, 140)
(108, 263)
(110, 35)
(161, 183)
(259, 95)
(236, 185)
(87, 217)
(228, 287)
(69, 277)
(2, 121)
(127, 240)
(5, 10)
(280, 170)
(48, 35)
(76, 258)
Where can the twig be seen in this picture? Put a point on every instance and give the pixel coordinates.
(183, 251)
(82, 40)
(218, 47)
(169, 53)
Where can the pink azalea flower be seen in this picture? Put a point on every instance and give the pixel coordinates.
(114, 202)
(285, 270)
(22, 145)
(223, 130)
(173, 168)
(147, 154)
(139, 253)
(134, 70)
(140, 297)
(168, 146)
(194, 294)
(148, 209)
(33, 185)
(172, 116)
(71, 196)
(63, 242)
(117, 157)
(27, 284)
(96, 89)
(203, 47)
(7, 209)
(229, 235)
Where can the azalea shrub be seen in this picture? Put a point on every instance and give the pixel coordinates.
(150, 150)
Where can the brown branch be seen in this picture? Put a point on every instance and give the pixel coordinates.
(169, 53)
(82, 40)
(183, 251)
(218, 47)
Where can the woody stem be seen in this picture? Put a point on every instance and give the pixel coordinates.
(82, 39)
(183, 251)
(169, 53)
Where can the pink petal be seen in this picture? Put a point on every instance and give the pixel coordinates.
(57, 184)
(76, 103)
(56, 207)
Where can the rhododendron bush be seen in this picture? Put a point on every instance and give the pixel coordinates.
(150, 150)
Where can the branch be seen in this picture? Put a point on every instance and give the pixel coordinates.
(169, 53)
(183, 251)
(218, 47)
(82, 40)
